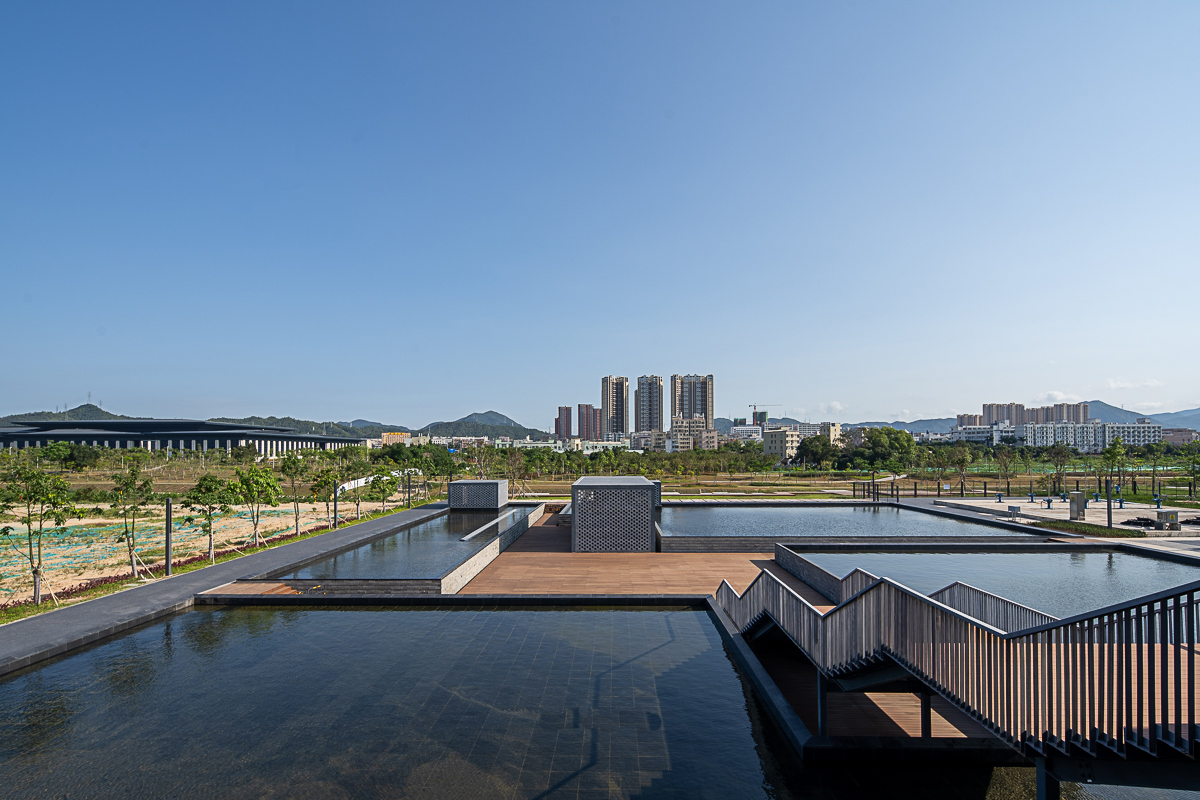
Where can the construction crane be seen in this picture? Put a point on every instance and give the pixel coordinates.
(755, 406)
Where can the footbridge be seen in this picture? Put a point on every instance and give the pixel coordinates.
(1107, 696)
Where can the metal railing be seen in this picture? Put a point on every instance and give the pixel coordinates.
(1113, 680)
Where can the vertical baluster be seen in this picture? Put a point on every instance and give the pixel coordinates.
(1127, 636)
(1177, 624)
(1151, 713)
(1191, 671)
(1089, 726)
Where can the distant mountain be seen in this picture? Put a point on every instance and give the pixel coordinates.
(1189, 418)
(489, 418)
(461, 428)
(938, 425)
(1180, 419)
(1097, 409)
(366, 423)
(87, 411)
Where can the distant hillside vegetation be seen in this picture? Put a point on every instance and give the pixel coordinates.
(363, 429)
(344, 430)
(490, 418)
(478, 429)
(85, 411)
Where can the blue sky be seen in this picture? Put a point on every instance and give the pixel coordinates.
(412, 212)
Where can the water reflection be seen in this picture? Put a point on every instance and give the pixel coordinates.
(802, 522)
(389, 703)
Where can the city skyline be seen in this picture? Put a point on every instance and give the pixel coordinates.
(176, 210)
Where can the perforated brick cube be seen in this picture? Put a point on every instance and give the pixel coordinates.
(466, 495)
(612, 515)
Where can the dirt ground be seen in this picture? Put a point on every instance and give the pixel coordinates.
(93, 548)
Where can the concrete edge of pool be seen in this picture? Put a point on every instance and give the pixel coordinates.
(53, 633)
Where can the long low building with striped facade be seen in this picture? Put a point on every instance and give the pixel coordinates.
(166, 434)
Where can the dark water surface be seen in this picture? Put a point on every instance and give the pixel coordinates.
(261, 702)
(1062, 584)
(803, 522)
(428, 550)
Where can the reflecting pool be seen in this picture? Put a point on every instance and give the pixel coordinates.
(1062, 584)
(269, 702)
(428, 550)
(808, 521)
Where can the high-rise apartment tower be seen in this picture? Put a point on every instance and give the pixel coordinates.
(614, 407)
(648, 404)
(692, 397)
(562, 424)
(589, 422)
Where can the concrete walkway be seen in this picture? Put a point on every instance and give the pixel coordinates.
(33, 639)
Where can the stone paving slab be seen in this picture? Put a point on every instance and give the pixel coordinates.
(33, 639)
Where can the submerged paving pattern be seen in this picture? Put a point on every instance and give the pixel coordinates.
(267, 702)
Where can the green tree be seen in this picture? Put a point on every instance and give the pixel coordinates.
(210, 496)
(1154, 453)
(130, 495)
(58, 452)
(1059, 456)
(256, 488)
(41, 497)
(1191, 459)
(294, 469)
(814, 450)
(244, 454)
(324, 484)
(1113, 457)
(961, 458)
(1005, 459)
(382, 485)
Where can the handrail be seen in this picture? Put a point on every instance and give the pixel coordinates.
(991, 608)
(1120, 678)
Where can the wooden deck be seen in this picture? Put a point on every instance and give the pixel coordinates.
(894, 714)
(256, 587)
(541, 562)
(554, 572)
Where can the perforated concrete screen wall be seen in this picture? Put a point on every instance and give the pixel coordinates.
(478, 494)
(612, 515)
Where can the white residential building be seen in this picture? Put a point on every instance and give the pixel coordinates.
(746, 433)
(992, 434)
(1090, 437)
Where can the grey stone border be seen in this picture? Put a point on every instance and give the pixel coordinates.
(53, 633)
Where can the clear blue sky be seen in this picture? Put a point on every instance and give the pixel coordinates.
(412, 212)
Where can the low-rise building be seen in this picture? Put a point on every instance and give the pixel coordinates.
(679, 443)
(648, 440)
(707, 439)
(857, 436)
(832, 430)
(992, 434)
(745, 433)
(396, 437)
(782, 443)
(1180, 436)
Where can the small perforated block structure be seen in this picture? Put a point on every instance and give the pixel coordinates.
(478, 494)
(612, 515)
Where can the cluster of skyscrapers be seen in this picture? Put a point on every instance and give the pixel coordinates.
(1017, 414)
(692, 408)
